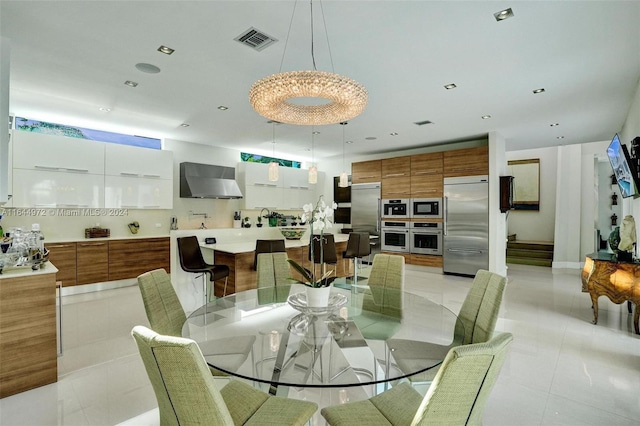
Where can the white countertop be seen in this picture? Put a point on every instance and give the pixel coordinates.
(82, 239)
(23, 271)
(250, 246)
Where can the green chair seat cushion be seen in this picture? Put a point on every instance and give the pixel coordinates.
(396, 406)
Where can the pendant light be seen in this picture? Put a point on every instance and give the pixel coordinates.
(313, 170)
(273, 165)
(344, 177)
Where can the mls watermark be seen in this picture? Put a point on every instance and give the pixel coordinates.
(61, 212)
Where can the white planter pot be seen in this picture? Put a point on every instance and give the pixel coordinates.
(318, 297)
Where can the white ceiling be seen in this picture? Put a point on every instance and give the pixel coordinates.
(69, 58)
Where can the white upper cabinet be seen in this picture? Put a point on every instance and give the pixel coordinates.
(258, 174)
(124, 160)
(44, 188)
(139, 178)
(38, 151)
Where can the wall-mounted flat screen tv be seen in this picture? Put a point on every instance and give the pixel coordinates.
(623, 168)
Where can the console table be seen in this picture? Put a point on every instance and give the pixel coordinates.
(604, 274)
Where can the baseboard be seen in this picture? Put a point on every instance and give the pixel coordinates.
(566, 265)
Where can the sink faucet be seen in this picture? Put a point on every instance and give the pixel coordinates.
(263, 209)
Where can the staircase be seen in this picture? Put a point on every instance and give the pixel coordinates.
(538, 253)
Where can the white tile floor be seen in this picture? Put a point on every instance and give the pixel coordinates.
(561, 369)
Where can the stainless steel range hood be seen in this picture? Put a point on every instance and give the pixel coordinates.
(208, 181)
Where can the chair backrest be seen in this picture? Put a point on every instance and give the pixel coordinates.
(328, 247)
(164, 311)
(273, 270)
(459, 391)
(479, 312)
(190, 255)
(358, 245)
(386, 284)
(267, 246)
(181, 380)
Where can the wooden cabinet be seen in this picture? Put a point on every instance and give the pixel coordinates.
(63, 256)
(132, 257)
(396, 177)
(92, 262)
(466, 162)
(426, 175)
(366, 171)
(28, 349)
(426, 260)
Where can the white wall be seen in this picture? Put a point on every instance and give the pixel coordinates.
(497, 220)
(531, 225)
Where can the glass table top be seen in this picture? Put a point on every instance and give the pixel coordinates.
(345, 345)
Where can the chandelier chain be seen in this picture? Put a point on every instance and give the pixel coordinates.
(286, 42)
(326, 34)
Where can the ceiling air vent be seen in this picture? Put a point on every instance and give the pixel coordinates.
(255, 39)
(422, 123)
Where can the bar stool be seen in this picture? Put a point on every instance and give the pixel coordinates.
(357, 246)
(328, 248)
(267, 246)
(191, 260)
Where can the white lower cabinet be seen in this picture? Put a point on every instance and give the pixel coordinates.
(37, 188)
(138, 192)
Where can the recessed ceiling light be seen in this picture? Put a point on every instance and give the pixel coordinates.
(130, 83)
(148, 68)
(166, 50)
(349, 142)
(104, 109)
(371, 138)
(486, 117)
(554, 124)
(394, 133)
(560, 137)
(541, 90)
(184, 125)
(315, 132)
(223, 108)
(450, 86)
(503, 14)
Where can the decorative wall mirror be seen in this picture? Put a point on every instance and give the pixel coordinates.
(526, 183)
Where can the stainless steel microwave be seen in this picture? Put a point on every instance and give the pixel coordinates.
(397, 209)
(426, 208)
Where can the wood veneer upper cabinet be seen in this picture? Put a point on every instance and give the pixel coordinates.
(63, 256)
(426, 175)
(366, 171)
(466, 162)
(130, 258)
(396, 177)
(92, 262)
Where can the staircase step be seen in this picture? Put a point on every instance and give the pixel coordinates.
(531, 245)
(537, 254)
(529, 261)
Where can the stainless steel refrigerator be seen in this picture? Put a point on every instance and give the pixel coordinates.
(466, 225)
(365, 212)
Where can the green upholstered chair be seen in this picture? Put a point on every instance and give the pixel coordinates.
(273, 277)
(457, 395)
(166, 316)
(476, 323)
(187, 395)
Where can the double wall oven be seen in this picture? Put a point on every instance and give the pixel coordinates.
(412, 226)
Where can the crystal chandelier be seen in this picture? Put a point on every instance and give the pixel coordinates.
(271, 96)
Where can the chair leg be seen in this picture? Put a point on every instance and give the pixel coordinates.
(224, 292)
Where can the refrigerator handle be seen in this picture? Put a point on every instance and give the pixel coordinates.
(444, 215)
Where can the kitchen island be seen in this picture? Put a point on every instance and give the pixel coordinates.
(235, 248)
(28, 332)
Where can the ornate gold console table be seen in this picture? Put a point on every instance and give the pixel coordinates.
(603, 274)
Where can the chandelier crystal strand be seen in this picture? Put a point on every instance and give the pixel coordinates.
(313, 170)
(273, 165)
(344, 178)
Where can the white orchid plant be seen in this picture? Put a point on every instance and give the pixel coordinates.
(319, 217)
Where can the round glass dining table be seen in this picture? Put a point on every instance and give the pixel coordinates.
(343, 345)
